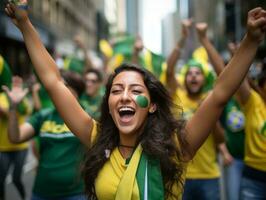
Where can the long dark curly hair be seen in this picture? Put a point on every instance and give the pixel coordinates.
(158, 137)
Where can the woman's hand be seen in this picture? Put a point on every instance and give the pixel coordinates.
(201, 30)
(256, 24)
(17, 14)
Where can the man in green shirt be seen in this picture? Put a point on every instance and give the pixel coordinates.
(59, 150)
(92, 98)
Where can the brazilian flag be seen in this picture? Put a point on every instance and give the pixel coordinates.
(75, 64)
(124, 47)
(156, 64)
(122, 52)
(5, 73)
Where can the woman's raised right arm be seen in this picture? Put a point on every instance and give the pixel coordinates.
(77, 120)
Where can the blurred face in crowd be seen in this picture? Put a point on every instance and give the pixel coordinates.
(194, 80)
(92, 83)
(128, 116)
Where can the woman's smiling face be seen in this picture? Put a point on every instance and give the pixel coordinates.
(127, 115)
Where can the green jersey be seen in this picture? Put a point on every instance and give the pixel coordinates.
(233, 121)
(92, 105)
(60, 155)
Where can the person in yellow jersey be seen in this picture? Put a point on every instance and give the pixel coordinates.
(203, 173)
(253, 182)
(12, 154)
(138, 148)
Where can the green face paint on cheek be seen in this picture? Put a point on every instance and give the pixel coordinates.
(142, 101)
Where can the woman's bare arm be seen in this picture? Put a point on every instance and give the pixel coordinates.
(202, 122)
(78, 121)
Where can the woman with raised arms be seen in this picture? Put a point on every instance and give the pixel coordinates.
(138, 150)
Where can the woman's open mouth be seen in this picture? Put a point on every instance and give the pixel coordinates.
(126, 113)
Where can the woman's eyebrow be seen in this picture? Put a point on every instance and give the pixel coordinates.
(136, 84)
(130, 85)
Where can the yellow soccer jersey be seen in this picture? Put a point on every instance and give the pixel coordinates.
(255, 141)
(5, 144)
(204, 164)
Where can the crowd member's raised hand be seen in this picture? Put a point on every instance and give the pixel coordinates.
(214, 57)
(79, 42)
(185, 26)
(201, 28)
(171, 81)
(17, 92)
(34, 89)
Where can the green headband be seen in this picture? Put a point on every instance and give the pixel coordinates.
(194, 63)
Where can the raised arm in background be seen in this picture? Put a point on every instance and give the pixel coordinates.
(80, 123)
(17, 134)
(37, 104)
(215, 59)
(80, 43)
(138, 47)
(171, 81)
(227, 83)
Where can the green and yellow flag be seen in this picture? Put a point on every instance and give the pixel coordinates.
(156, 64)
(122, 52)
(5, 73)
(74, 64)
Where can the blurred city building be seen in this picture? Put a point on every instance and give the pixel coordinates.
(57, 22)
(226, 20)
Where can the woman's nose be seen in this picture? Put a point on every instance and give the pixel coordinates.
(125, 95)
